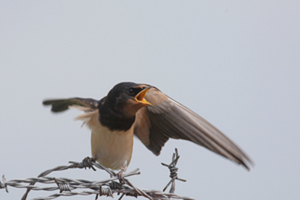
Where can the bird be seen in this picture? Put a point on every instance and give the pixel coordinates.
(142, 110)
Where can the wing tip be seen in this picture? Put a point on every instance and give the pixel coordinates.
(250, 164)
(57, 105)
(47, 102)
(246, 162)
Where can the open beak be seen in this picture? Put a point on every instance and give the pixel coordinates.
(140, 97)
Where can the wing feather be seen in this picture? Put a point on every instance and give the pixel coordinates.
(60, 105)
(169, 119)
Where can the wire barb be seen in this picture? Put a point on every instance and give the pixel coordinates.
(62, 186)
(104, 191)
(173, 172)
(3, 183)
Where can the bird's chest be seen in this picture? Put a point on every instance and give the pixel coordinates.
(112, 149)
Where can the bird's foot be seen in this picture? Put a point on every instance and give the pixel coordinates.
(120, 176)
(120, 173)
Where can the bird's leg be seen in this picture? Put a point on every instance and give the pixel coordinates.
(120, 173)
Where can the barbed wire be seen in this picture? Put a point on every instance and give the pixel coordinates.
(108, 187)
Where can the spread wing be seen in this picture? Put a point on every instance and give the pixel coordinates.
(169, 119)
(60, 105)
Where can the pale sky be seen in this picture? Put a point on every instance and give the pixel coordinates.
(234, 63)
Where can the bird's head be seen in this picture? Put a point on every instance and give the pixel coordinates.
(127, 98)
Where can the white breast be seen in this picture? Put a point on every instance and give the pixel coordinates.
(112, 149)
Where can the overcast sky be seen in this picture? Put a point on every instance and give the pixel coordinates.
(234, 63)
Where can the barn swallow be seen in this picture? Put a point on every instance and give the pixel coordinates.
(144, 111)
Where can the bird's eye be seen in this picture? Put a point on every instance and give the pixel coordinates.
(131, 91)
